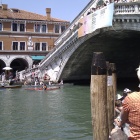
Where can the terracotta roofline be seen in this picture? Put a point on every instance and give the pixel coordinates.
(35, 21)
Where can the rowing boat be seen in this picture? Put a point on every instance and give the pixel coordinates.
(41, 89)
(10, 86)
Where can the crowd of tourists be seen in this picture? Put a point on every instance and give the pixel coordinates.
(105, 3)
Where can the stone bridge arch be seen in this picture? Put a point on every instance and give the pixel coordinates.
(120, 46)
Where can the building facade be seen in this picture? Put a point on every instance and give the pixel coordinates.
(25, 37)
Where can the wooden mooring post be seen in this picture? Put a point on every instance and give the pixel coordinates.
(110, 97)
(98, 95)
(114, 79)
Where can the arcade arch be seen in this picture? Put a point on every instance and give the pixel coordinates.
(19, 64)
(2, 65)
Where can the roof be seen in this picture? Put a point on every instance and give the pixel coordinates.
(18, 14)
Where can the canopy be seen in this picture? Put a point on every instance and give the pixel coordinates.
(7, 68)
(38, 57)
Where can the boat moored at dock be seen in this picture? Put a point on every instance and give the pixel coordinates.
(10, 86)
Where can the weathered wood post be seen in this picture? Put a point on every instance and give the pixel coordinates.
(98, 89)
(110, 98)
(114, 79)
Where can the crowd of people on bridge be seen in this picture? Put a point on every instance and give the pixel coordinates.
(105, 3)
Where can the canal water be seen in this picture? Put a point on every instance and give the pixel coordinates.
(62, 114)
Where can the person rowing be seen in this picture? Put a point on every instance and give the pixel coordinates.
(45, 87)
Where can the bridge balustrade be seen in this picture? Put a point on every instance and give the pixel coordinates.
(58, 51)
(63, 44)
(127, 8)
(65, 40)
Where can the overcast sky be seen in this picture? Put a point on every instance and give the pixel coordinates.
(61, 9)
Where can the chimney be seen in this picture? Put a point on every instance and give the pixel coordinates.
(48, 13)
(4, 6)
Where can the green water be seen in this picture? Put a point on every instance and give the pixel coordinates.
(46, 115)
(62, 114)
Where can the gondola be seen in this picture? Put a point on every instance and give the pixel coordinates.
(41, 89)
(10, 86)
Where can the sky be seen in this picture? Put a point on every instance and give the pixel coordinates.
(61, 9)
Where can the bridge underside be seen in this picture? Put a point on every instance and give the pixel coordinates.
(119, 47)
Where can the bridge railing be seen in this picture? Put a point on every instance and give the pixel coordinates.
(127, 8)
(65, 39)
(58, 51)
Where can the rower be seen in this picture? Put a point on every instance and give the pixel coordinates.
(45, 87)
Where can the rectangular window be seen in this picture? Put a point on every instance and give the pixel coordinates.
(0, 45)
(44, 45)
(0, 26)
(22, 27)
(14, 26)
(43, 28)
(37, 46)
(63, 28)
(22, 45)
(15, 46)
(37, 28)
(56, 28)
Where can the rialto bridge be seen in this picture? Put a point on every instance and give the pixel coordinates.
(71, 58)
